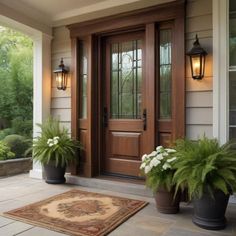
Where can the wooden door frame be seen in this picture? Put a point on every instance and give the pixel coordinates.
(91, 32)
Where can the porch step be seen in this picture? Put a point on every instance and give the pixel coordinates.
(111, 185)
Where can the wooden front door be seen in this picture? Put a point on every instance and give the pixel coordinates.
(125, 114)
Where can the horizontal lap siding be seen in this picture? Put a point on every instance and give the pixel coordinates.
(61, 100)
(199, 105)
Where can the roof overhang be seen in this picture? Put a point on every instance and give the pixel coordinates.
(44, 14)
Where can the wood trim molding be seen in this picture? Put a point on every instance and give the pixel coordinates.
(137, 18)
(179, 77)
(74, 96)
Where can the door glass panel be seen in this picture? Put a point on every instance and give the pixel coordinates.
(83, 77)
(165, 74)
(126, 79)
(232, 69)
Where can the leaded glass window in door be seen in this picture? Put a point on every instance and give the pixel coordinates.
(126, 79)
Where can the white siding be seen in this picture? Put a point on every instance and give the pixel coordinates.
(61, 100)
(199, 93)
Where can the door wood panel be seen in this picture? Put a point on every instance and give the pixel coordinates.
(125, 144)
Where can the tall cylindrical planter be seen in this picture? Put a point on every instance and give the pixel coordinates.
(165, 201)
(209, 212)
(54, 174)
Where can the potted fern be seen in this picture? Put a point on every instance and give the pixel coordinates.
(158, 169)
(208, 170)
(55, 150)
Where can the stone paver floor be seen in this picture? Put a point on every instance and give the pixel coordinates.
(20, 190)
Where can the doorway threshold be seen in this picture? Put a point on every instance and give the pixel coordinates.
(116, 184)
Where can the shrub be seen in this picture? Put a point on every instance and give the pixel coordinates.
(5, 152)
(22, 127)
(18, 144)
(5, 132)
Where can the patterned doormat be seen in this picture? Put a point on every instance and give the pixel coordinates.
(78, 213)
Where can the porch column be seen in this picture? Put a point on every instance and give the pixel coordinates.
(42, 89)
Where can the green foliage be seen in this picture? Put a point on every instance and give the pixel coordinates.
(18, 144)
(22, 127)
(54, 144)
(16, 76)
(5, 152)
(204, 166)
(158, 167)
(5, 132)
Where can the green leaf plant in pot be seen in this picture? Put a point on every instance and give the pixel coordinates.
(158, 169)
(55, 150)
(208, 170)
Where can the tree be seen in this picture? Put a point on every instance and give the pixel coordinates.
(16, 77)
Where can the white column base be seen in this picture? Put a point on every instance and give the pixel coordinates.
(37, 171)
(36, 174)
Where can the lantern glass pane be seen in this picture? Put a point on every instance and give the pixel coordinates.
(165, 75)
(196, 64)
(83, 78)
(59, 80)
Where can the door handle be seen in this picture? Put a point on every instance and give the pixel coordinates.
(144, 119)
(105, 117)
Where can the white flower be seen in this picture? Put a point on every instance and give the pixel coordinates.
(142, 165)
(166, 166)
(49, 141)
(50, 144)
(147, 169)
(170, 150)
(154, 162)
(144, 157)
(152, 154)
(171, 159)
(159, 156)
(55, 142)
(165, 154)
(56, 138)
(158, 148)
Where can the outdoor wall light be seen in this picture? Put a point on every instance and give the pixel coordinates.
(61, 74)
(197, 57)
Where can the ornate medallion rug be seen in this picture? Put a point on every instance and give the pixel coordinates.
(78, 213)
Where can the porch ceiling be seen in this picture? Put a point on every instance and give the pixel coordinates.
(61, 12)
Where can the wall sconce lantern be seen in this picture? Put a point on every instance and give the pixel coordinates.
(197, 57)
(61, 74)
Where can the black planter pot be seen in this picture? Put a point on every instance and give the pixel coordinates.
(54, 175)
(209, 213)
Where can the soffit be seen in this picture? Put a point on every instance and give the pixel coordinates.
(62, 12)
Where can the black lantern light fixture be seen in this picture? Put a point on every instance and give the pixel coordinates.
(61, 74)
(197, 57)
